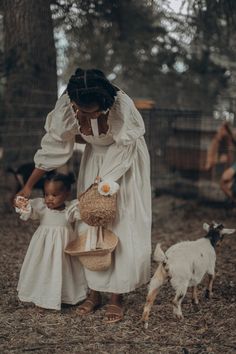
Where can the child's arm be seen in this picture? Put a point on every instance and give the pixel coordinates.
(29, 209)
(72, 211)
(23, 207)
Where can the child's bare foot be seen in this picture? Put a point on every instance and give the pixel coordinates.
(90, 304)
(114, 312)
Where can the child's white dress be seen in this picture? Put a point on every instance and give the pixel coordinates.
(49, 276)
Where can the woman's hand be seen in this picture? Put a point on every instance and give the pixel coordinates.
(25, 192)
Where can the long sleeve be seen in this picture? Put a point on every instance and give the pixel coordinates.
(127, 129)
(72, 211)
(57, 144)
(33, 211)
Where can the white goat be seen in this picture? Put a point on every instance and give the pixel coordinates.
(184, 265)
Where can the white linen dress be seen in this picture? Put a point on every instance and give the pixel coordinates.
(49, 276)
(120, 155)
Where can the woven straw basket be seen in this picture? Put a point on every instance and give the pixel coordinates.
(95, 260)
(97, 209)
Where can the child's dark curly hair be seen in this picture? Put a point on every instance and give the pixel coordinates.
(91, 87)
(66, 180)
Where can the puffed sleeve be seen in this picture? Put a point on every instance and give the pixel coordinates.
(33, 211)
(127, 128)
(72, 211)
(57, 144)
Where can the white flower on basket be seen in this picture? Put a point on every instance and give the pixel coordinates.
(108, 187)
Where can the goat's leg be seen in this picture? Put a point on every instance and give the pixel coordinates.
(156, 282)
(195, 298)
(209, 293)
(194, 295)
(179, 296)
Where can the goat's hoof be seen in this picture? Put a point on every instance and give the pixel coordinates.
(179, 316)
(146, 325)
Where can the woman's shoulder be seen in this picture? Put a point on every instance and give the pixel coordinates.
(122, 106)
(61, 122)
(122, 98)
(63, 100)
(125, 120)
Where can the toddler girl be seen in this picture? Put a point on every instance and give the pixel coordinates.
(48, 276)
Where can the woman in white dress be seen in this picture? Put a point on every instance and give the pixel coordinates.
(107, 121)
(48, 276)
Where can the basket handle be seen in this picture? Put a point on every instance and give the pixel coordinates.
(95, 238)
(96, 181)
(100, 237)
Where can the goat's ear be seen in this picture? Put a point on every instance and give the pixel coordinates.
(206, 227)
(159, 255)
(228, 231)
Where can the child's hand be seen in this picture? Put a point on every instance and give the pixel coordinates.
(24, 194)
(21, 203)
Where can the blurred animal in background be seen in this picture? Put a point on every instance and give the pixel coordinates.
(222, 147)
(184, 265)
(22, 174)
(17, 177)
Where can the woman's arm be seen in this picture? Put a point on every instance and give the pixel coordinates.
(33, 179)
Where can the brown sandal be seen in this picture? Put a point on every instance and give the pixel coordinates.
(88, 306)
(114, 313)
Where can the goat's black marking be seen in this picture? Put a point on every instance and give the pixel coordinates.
(180, 297)
(214, 234)
(201, 255)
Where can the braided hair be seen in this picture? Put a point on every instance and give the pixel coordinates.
(66, 180)
(91, 87)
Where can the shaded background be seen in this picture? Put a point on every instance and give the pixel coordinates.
(174, 58)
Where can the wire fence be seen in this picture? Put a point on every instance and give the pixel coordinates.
(178, 142)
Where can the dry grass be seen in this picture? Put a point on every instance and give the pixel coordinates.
(26, 329)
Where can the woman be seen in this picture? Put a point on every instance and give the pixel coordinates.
(106, 119)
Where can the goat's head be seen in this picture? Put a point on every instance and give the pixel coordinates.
(216, 232)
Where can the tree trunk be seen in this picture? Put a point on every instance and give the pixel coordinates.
(30, 58)
(30, 91)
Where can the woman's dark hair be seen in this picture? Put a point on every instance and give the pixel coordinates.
(66, 180)
(91, 87)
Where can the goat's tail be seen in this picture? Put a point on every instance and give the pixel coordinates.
(159, 255)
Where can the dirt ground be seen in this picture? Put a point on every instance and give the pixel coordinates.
(211, 329)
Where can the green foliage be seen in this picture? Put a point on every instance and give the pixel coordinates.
(125, 38)
(144, 47)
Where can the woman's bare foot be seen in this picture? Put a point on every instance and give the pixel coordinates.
(90, 304)
(114, 312)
